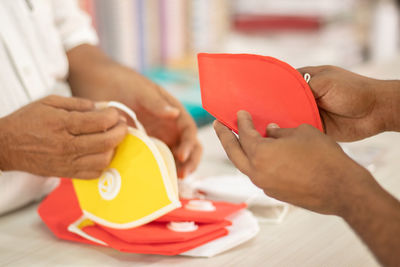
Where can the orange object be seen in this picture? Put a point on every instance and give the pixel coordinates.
(269, 89)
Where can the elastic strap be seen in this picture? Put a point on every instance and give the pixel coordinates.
(125, 109)
(307, 77)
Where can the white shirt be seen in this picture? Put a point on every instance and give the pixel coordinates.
(34, 38)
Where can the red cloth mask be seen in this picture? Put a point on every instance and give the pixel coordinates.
(270, 90)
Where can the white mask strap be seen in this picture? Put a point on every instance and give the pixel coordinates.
(307, 77)
(125, 109)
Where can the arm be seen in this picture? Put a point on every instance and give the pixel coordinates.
(93, 75)
(352, 106)
(326, 180)
(389, 101)
(375, 217)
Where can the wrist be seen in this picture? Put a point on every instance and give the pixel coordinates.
(3, 146)
(354, 189)
(361, 198)
(388, 105)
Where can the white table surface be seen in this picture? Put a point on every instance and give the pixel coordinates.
(302, 239)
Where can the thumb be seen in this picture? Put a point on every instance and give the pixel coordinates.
(156, 104)
(274, 131)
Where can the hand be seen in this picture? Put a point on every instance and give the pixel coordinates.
(352, 106)
(58, 136)
(162, 116)
(101, 79)
(179, 131)
(301, 166)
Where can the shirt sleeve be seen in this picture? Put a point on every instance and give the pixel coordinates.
(73, 24)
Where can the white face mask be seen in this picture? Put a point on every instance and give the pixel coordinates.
(244, 227)
(237, 189)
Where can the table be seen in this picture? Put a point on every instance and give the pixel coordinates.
(304, 238)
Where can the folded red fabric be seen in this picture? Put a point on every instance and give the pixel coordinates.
(222, 210)
(158, 232)
(61, 208)
(172, 248)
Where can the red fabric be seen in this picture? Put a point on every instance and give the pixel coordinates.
(61, 208)
(173, 248)
(223, 210)
(271, 90)
(157, 232)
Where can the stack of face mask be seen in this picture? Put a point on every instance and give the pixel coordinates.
(134, 206)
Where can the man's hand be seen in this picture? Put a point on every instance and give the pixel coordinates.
(352, 106)
(58, 136)
(304, 167)
(300, 165)
(95, 76)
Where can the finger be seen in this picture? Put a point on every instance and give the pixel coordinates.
(92, 121)
(99, 142)
(248, 135)
(86, 175)
(155, 103)
(171, 100)
(274, 131)
(192, 162)
(318, 86)
(94, 161)
(68, 103)
(187, 141)
(232, 147)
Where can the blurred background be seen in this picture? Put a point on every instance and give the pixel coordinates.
(160, 38)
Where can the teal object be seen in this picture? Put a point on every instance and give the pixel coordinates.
(183, 85)
(200, 115)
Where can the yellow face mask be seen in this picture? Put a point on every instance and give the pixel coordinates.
(139, 185)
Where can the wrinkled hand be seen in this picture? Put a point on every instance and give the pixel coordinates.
(351, 105)
(166, 119)
(161, 114)
(301, 166)
(58, 136)
(94, 76)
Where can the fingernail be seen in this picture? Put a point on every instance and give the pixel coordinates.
(272, 126)
(185, 155)
(214, 123)
(171, 110)
(244, 114)
(100, 105)
(122, 118)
